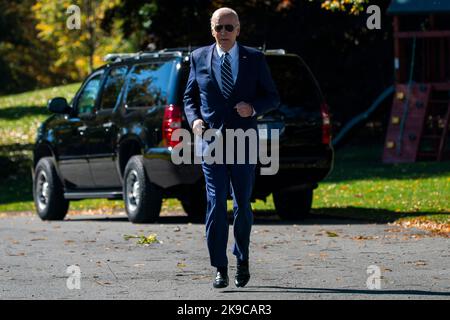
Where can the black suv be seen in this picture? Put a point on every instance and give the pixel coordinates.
(114, 139)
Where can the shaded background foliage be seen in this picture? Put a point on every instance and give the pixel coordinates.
(352, 64)
(24, 60)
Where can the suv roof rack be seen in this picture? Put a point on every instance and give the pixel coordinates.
(271, 51)
(117, 57)
(181, 49)
(275, 51)
(189, 49)
(168, 52)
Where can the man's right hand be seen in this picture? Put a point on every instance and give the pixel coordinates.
(198, 126)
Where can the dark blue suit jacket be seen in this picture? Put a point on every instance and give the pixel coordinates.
(203, 98)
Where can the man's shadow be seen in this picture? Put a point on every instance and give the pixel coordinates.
(280, 289)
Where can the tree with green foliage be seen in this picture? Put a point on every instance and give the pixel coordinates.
(81, 50)
(351, 6)
(24, 59)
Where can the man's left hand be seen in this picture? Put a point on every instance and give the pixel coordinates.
(244, 109)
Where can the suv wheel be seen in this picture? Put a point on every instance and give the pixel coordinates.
(293, 204)
(194, 201)
(143, 198)
(48, 192)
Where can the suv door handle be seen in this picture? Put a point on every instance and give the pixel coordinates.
(107, 125)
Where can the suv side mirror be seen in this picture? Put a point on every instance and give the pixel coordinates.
(58, 105)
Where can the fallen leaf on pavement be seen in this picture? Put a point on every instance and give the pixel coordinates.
(143, 239)
(438, 229)
(38, 239)
(20, 254)
(364, 237)
(139, 265)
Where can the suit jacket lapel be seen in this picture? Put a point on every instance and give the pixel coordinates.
(209, 57)
(242, 68)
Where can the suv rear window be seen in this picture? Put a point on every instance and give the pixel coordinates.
(149, 84)
(294, 83)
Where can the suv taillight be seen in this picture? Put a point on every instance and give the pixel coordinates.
(171, 121)
(326, 124)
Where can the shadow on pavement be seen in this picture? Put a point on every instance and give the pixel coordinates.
(261, 218)
(326, 215)
(279, 289)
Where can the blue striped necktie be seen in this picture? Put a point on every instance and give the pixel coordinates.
(227, 76)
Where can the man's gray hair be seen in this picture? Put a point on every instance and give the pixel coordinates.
(225, 11)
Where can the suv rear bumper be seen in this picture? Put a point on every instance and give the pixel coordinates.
(163, 172)
(288, 178)
(293, 171)
(299, 171)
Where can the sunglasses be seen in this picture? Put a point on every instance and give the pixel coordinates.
(228, 27)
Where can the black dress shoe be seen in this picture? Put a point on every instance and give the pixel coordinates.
(242, 274)
(221, 280)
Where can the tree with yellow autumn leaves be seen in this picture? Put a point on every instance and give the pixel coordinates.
(37, 49)
(352, 6)
(79, 50)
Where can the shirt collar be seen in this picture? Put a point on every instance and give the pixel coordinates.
(233, 51)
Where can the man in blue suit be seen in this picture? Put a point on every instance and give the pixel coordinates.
(229, 86)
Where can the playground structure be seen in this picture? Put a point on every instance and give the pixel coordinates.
(419, 119)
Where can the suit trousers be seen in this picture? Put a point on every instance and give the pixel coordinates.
(220, 180)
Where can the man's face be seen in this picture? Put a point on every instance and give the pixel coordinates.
(225, 39)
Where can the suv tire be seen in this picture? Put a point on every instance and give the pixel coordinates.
(142, 198)
(293, 204)
(48, 191)
(194, 201)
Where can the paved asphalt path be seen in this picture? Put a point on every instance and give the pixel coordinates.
(315, 259)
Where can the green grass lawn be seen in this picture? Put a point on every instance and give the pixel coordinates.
(21, 114)
(360, 185)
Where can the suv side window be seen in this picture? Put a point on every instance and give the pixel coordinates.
(149, 84)
(112, 87)
(87, 98)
